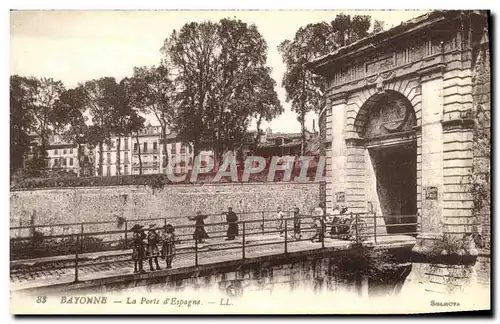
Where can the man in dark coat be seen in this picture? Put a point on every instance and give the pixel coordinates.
(232, 229)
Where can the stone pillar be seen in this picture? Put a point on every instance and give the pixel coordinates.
(430, 169)
(336, 184)
(355, 176)
(324, 145)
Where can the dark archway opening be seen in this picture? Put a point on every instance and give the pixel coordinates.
(386, 123)
(396, 174)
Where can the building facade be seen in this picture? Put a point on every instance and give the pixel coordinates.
(398, 128)
(116, 157)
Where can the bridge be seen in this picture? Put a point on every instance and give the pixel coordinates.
(81, 255)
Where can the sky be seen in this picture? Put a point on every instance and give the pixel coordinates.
(76, 46)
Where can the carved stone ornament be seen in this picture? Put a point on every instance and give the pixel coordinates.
(395, 114)
(379, 79)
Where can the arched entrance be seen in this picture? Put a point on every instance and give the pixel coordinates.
(386, 124)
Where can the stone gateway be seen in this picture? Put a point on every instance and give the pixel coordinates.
(399, 121)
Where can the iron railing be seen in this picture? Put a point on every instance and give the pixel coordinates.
(359, 227)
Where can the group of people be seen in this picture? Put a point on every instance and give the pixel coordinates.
(200, 234)
(145, 246)
(339, 223)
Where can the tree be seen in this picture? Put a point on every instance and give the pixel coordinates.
(151, 90)
(267, 104)
(126, 117)
(215, 65)
(136, 123)
(378, 26)
(40, 99)
(304, 89)
(101, 96)
(21, 122)
(71, 122)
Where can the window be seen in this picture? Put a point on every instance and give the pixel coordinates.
(183, 148)
(109, 157)
(136, 147)
(155, 147)
(108, 170)
(125, 157)
(117, 142)
(172, 150)
(64, 161)
(70, 161)
(55, 152)
(125, 169)
(145, 147)
(64, 151)
(125, 142)
(71, 151)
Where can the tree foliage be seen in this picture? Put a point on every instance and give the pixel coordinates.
(33, 106)
(305, 90)
(101, 96)
(220, 67)
(152, 90)
(21, 122)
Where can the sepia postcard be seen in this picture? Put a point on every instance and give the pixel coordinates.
(250, 162)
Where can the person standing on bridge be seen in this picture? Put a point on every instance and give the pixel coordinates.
(296, 224)
(232, 229)
(319, 217)
(138, 247)
(279, 220)
(152, 252)
(334, 230)
(199, 232)
(168, 244)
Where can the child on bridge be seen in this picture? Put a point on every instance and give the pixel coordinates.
(152, 251)
(138, 247)
(168, 244)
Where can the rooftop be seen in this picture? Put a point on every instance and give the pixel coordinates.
(369, 42)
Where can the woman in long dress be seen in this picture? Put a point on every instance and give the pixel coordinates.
(199, 232)
(168, 244)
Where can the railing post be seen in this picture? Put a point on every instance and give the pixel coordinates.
(323, 229)
(77, 247)
(286, 236)
(81, 234)
(195, 251)
(357, 237)
(125, 236)
(375, 228)
(243, 244)
(263, 223)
